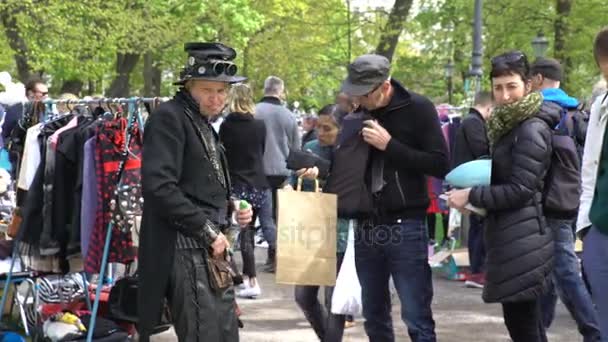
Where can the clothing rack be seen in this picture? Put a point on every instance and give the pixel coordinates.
(133, 114)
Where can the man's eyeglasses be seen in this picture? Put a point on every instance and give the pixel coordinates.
(43, 93)
(372, 91)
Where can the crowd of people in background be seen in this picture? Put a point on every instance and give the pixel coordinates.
(522, 253)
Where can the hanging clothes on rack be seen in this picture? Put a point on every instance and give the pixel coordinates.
(88, 201)
(108, 156)
(34, 213)
(67, 192)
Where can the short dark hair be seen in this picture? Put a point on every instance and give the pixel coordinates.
(548, 68)
(600, 45)
(483, 98)
(510, 63)
(329, 109)
(32, 83)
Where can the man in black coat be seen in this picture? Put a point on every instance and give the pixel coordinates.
(406, 145)
(186, 189)
(471, 144)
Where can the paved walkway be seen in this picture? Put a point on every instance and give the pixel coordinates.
(460, 316)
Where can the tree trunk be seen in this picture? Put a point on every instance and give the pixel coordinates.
(16, 42)
(562, 34)
(72, 86)
(91, 88)
(152, 75)
(125, 63)
(392, 30)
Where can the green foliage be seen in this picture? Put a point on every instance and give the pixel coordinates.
(444, 30)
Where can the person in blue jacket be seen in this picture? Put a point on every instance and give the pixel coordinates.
(547, 75)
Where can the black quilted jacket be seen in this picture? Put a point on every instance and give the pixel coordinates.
(518, 243)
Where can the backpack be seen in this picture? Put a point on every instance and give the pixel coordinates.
(347, 175)
(562, 188)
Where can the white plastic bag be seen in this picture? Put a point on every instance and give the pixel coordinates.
(346, 299)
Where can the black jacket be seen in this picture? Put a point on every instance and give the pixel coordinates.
(518, 243)
(244, 138)
(309, 136)
(417, 149)
(471, 141)
(181, 192)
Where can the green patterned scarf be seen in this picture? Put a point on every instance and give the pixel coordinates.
(504, 118)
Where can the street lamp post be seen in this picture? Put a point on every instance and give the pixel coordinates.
(449, 74)
(477, 62)
(540, 44)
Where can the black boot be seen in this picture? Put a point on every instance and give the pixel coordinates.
(271, 263)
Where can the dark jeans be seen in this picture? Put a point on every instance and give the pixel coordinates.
(398, 250)
(477, 249)
(595, 254)
(268, 213)
(247, 243)
(568, 284)
(327, 326)
(524, 321)
(431, 221)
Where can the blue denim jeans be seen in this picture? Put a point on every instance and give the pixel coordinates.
(477, 250)
(399, 250)
(595, 254)
(267, 223)
(568, 284)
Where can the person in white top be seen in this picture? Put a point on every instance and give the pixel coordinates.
(592, 223)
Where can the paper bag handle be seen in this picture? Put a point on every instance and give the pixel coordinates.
(299, 184)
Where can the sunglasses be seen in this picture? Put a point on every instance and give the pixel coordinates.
(510, 58)
(372, 91)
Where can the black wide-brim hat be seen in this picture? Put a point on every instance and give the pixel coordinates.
(210, 62)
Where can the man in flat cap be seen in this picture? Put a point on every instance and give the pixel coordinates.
(547, 75)
(186, 189)
(407, 145)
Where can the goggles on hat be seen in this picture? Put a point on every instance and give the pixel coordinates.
(210, 67)
(223, 67)
(510, 58)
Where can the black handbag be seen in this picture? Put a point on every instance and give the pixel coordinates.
(297, 160)
(123, 299)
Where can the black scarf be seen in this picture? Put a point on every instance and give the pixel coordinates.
(214, 151)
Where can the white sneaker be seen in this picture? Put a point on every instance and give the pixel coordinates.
(243, 285)
(250, 292)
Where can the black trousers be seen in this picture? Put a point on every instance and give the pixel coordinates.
(327, 326)
(524, 321)
(431, 221)
(477, 250)
(276, 183)
(199, 313)
(247, 242)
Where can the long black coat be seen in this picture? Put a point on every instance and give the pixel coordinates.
(518, 243)
(181, 191)
(471, 141)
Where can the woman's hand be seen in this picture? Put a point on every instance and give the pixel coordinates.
(244, 216)
(311, 173)
(458, 199)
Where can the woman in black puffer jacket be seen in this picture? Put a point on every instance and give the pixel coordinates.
(518, 243)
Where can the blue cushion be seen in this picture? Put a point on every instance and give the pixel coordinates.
(476, 172)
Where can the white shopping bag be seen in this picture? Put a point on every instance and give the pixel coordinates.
(346, 299)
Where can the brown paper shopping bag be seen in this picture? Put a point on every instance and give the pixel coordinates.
(306, 238)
